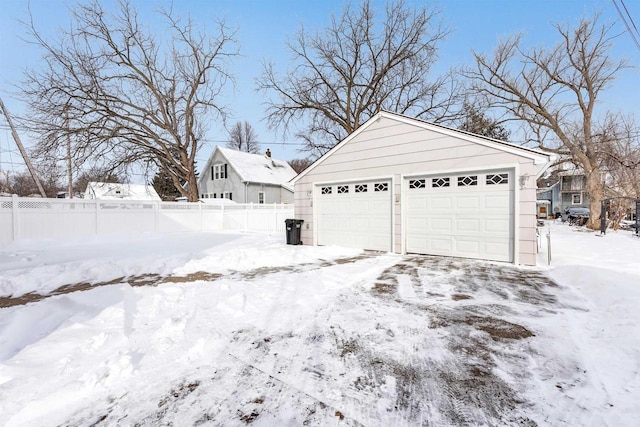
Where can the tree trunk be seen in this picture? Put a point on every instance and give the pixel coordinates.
(192, 182)
(595, 188)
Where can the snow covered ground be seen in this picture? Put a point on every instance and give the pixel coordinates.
(237, 329)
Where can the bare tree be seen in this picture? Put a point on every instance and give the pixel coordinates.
(356, 67)
(124, 95)
(554, 92)
(299, 165)
(242, 137)
(22, 183)
(621, 155)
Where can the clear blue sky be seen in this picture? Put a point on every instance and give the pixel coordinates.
(264, 26)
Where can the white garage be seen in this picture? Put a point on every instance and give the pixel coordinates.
(467, 215)
(404, 185)
(355, 214)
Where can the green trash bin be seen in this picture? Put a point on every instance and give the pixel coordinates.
(294, 226)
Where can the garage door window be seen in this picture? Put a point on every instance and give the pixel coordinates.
(440, 182)
(343, 189)
(326, 190)
(417, 183)
(381, 186)
(361, 188)
(497, 179)
(467, 181)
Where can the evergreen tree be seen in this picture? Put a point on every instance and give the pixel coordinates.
(475, 121)
(164, 186)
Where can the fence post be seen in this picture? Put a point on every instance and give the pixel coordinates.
(97, 217)
(15, 217)
(222, 217)
(156, 217)
(275, 217)
(246, 216)
(201, 220)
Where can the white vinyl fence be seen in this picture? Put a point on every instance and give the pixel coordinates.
(32, 218)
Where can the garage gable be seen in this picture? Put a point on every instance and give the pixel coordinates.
(440, 137)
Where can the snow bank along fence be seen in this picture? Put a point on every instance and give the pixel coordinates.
(31, 218)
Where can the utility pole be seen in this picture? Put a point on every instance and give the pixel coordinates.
(25, 157)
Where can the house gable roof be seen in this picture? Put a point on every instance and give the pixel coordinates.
(537, 156)
(114, 191)
(257, 168)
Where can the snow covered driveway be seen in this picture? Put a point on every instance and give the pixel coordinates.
(280, 335)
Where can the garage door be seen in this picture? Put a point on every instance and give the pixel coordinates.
(466, 215)
(355, 215)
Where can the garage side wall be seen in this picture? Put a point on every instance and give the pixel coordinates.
(391, 148)
(527, 214)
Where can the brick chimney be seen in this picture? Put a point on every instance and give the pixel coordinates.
(268, 153)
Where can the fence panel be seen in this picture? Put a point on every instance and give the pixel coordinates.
(33, 218)
(175, 217)
(125, 217)
(6, 219)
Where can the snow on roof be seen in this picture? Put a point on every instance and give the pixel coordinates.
(259, 168)
(218, 202)
(113, 191)
(571, 172)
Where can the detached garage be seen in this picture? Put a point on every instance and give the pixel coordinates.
(403, 185)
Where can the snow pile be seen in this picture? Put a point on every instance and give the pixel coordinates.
(289, 335)
(44, 265)
(602, 277)
(118, 342)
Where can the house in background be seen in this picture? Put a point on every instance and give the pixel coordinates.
(572, 191)
(113, 191)
(403, 185)
(569, 191)
(547, 200)
(246, 178)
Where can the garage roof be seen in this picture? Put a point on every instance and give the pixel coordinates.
(539, 157)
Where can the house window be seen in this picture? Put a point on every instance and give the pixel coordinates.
(326, 190)
(440, 182)
(342, 189)
(261, 197)
(227, 195)
(381, 186)
(467, 181)
(495, 179)
(417, 183)
(361, 188)
(219, 171)
(576, 199)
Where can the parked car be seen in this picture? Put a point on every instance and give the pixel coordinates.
(629, 225)
(577, 216)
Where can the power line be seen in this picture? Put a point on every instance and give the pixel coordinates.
(629, 15)
(257, 142)
(626, 24)
(222, 141)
